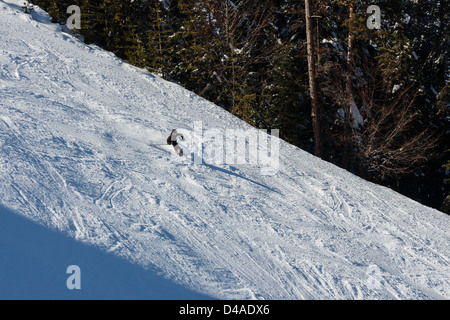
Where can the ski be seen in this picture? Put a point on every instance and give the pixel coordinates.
(176, 148)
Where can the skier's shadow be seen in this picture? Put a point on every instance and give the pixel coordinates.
(239, 176)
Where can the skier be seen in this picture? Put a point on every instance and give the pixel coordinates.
(172, 140)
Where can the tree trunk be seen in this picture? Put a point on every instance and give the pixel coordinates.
(348, 99)
(350, 62)
(315, 115)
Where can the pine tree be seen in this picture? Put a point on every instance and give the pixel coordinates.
(315, 113)
(446, 203)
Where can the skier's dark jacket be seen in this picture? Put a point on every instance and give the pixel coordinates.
(172, 139)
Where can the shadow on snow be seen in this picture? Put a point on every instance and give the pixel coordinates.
(34, 262)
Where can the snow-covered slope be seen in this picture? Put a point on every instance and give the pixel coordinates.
(75, 128)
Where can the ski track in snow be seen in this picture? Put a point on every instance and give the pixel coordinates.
(76, 128)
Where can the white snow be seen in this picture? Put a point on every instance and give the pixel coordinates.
(75, 124)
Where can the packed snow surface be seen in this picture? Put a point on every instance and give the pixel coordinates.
(82, 179)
